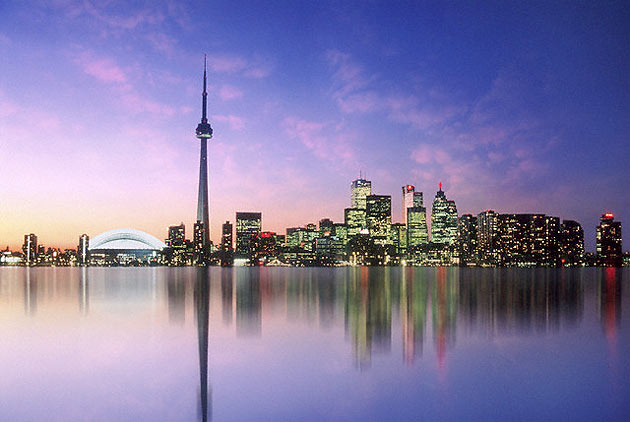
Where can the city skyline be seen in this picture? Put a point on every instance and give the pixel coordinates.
(98, 136)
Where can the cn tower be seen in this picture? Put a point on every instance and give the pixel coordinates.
(204, 132)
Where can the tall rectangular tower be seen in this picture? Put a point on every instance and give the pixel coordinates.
(359, 190)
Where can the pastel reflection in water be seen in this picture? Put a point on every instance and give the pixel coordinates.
(313, 344)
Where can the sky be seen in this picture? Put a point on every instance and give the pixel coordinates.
(514, 106)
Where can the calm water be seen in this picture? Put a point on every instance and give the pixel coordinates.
(314, 344)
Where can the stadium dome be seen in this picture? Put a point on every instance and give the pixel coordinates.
(126, 239)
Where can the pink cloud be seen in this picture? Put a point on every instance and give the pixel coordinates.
(137, 104)
(235, 122)
(335, 146)
(229, 92)
(226, 64)
(103, 69)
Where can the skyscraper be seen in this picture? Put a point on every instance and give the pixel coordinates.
(417, 231)
(248, 225)
(359, 190)
(177, 245)
(487, 238)
(82, 249)
(378, 215)
(30, 249)
(410, 198)
(467, 239)
(204, 132)
(443, 219)
(571, 243)
(609, 247)
(226, 237)
(354, 219)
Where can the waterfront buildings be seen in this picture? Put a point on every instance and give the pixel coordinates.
(609, 246)
(487, 237)
(83, 255)
(248, 225)
(571, 244)
(410, 199)
(29, 248)
(378, 216)
(467, 239)
(443, 219)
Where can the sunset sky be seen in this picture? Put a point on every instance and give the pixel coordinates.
(513, 106)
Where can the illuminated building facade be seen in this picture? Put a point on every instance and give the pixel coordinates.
(399, 239)
(410, 198)
(227, 242)
(379, 217)
(29, 248)
(417, 231)
(264, 247)
(527, 240)
(487, 238)
(571, 244)
(609, 246)
(248, 225)
(201, 248)
(467, 239)
(359, 190)
(83, 256)
(355, 220)
(443, 220)
(325, 227)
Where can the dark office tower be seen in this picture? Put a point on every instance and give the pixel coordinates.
(417, 232)
(177, 247)
(378, 215)
(355, 220)
(551, 255)
(399, 239)
(325, 227)
(201, 248)
(487, 238)
(248, 225)
(609, 252)
(83, 254)
(227, 244)
(265, 247)
(176, 235)
(467, 239)
(410, 198)
(359, 190)
(30, 249)
(204, 133)
(443, 220)
(571, 244)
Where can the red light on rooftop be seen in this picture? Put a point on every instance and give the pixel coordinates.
(609, 215)
(410, 187)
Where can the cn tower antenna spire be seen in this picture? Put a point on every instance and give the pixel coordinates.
(204, 116)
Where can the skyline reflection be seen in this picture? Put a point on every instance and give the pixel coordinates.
(269, 325)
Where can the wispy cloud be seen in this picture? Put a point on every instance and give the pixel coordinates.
(255, 68)
(235, 122)
(229, 92)
(330, 142)
(101, 68)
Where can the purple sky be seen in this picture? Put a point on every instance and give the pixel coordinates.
(515, 107)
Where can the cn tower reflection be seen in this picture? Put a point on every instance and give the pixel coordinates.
(202, 309)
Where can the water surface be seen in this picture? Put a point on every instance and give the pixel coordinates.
(314, 344)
